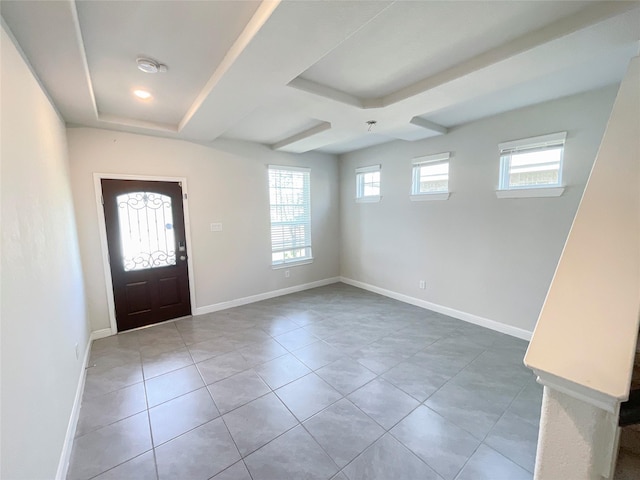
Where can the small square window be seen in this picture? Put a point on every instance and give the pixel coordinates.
(368, 184)
(532, 162)
(431, 174)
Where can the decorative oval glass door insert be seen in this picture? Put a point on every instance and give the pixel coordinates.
(146, 230)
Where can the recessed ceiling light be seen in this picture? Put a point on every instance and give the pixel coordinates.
(148, 65)
(142, 94)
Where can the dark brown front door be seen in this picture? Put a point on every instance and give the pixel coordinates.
(147, 251)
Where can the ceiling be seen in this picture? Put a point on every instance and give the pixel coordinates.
(307, 75)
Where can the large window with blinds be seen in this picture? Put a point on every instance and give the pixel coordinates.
(290, 201)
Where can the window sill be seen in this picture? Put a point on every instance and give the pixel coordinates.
(371, 199)
(426, 197)
(530, 192)
(305, 261)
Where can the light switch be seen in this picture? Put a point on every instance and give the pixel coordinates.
(216, 227)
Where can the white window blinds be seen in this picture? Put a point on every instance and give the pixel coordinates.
(430, 174)
(532, 162)
(290, 201)
(368, 183)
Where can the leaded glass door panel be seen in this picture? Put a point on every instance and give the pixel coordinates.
(147, 251)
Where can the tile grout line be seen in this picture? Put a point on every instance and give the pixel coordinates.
(302, 424)
(153, 449)
(121, 463)
(497, 421)
(446, 383)
(504, 412)
(347, 354)
(235, 445)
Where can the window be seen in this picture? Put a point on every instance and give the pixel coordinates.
(147, 238)
(290, 200)
(532, 162)
(368, 184)
(431, 177)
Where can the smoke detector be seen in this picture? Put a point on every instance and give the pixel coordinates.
(148, 65)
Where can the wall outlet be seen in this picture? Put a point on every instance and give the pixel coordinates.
(422, 284)
(287, 274)
(216, 227)
(77, 352)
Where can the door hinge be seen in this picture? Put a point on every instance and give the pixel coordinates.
(102, 199)
(185, 196)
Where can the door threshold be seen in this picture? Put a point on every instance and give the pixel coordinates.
(144, 327)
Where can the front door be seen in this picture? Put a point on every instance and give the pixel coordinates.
(147, 251)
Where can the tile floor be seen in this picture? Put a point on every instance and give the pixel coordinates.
(331, 383)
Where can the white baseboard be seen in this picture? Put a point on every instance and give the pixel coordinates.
(65, 456)
(467, 317)
(264, 296)
(105, 332)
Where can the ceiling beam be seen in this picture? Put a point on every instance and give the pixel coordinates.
(325, 91)
(294, 142)
(424, 123)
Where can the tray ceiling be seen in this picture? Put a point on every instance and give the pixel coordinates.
(301, 76)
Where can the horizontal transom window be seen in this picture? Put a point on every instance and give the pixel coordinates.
(368, 183)
(532, 162)
(430, 174)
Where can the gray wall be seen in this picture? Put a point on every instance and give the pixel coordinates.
(227, 183)
(43, 309)
(480, 255)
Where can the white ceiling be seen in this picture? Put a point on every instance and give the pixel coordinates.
(157, 29)
(307, 75)
(410, 41)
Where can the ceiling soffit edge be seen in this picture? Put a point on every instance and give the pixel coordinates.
(565, 26)
(132, 122)
(260, 17)
(83, 58)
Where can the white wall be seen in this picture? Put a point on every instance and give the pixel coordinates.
(488, 257)
(228, 184)
(43, 309)
(576, 439)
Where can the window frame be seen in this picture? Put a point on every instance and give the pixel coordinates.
(417, 164)
(306, 220)
(360, 173)
(532, 144)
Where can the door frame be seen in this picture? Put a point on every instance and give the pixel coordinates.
(102, 227)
